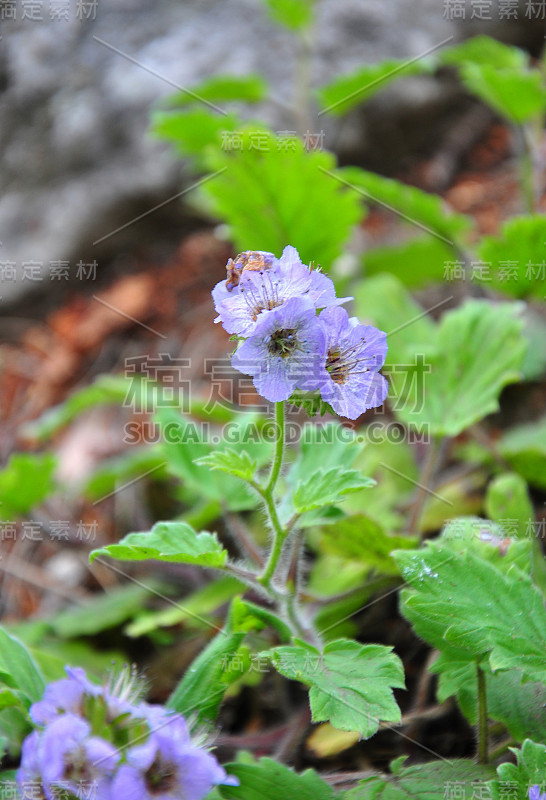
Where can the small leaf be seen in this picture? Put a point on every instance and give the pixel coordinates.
(508, 502)
(234, 462)
(423, 781)
(519, 96)
(529, 771)
(17, 665)
(175, 542)
(484, 50)
(324, 488)
(25, 482)
(515, 257)
(348, 91)
(269, 780)
(293, 14)
(223, 88)
(350, 683)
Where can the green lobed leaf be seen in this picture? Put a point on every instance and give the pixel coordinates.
(223, 88)
(515, 257)
(272, 192)
(269, 780)
(424, 781)
(193, 130)
(327, 487)
(425, 211)
(234, 462)
(25, 482)
(498, 615)
(518, 95)
(347, 91)
(484, 50)
(466, 376)
(175, 542)
(350, 684)
(529, 771)
(524, 448)
(17, 666)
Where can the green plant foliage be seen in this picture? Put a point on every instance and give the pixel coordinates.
(425, 211)
(102, 612)
(416, 263)
(193, 130)
(234, 462)
(133, 463)
(17, 668)
(25, 482)
(347, 91)
(466, 375)
(518, 96)
(323, 488)
(271, 194)
(201, 689)
(268, 780)
(423, 781)
(530, 770)
(176, 542)
(350, 684)
(483, 50)
(524, 448)
(223, 89)
(516, 257)
(294, 14)
(508, 499)
(499, 616)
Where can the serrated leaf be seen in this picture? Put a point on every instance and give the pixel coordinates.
(223, 88)
(529, 771)
(271, 195)
(238, 463)
(524, 448)
(425, 211)
(17, 665)
(516, 257)
(293, 14)
(466, 376)
(25, 482)
(175, 542)
(269, 780)
(507, 502)
(347, 91)
(499, 616)
(422, 781)
(193, 130)
(517, 95)
(327, 487)
(350, 684)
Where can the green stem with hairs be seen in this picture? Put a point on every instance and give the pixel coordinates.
(279, 533)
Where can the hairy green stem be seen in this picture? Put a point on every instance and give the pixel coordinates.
(279, 449)
(482, 716)
(279, 533)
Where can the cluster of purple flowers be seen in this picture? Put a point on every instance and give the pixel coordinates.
(295, 334)
(105, 743)
(535, 794)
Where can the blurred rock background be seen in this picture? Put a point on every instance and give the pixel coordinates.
(78, 81)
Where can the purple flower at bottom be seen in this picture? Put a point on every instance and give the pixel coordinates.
(534, 793)
(168, 767)
(65, 757)
(266, 283)
(61, 697)
(350, 381)
(286, 350)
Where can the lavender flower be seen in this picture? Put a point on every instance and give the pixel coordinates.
(66, 757)
(534, 793)
(350, 381)
(168, 767)
(286, 350)
(258, 282)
